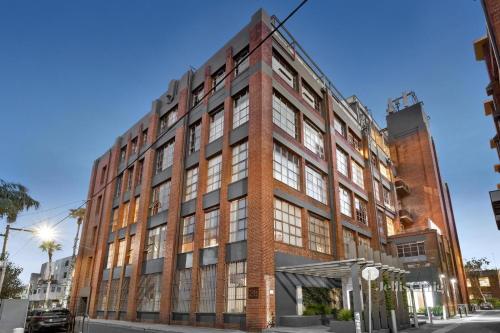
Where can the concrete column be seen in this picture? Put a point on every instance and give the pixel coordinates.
(299, 300)
(356, 296)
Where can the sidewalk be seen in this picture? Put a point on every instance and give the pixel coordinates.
(440, 325)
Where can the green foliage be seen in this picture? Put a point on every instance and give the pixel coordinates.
(12, 285)
(422, 310)
(437, 311)
(14, 199)
(314, 296)
(317, 309)
(389, 297)
(345, 315)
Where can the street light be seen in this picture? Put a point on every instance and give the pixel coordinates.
(453, 282)
(45, 232)
(444, 300)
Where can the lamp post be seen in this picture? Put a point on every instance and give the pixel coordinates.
(444, 300)
(453, 283)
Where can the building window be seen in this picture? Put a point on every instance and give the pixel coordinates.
(102, 298)
(103, 174)
(133, 146)
(388, 198)
(187, 235)
(469, 284)
(236, 287)
(284, 70)
(144, 139)
(238, 220)
(149, 293)
(361, 210)
(214, 173)
(345, 201)
(384, 171)
(194, 137)
(315, 185)
(197, 94)
(339, 126)
(310, 96)
(240, 162)
(287, 223)
(376, 190)
(357, 175)
(111, 255)
(286, 166)
(241, 62)
(349, 244)
(390, 226)
(129, 258)
(484, 282)
(130, 179)
(123, 154)
(319, 235)
(155, 246)
(218, 79)
(140, 167)
(160, 198)
(211, 232)
(136, 209)
(118, 186)
(313, 139)
(115, 219)
(412, 249)
(241, 108)
(216, 125)
(354, 141)
(284, 115)
(207, 289)
(164, 156)
(125, 211)
(124, 294)
(121, 253)
(342, 162)
(191, 183)
(182, 291)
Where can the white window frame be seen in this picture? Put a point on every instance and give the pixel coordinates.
(239, 168)
(216, 125)
(238, 220)
(286, 166)
(241, 108)
(280, 67)
(214, 173)
(285, 116)
(211, 230)
(315, 184)
(342, 162)
(287, 223)
(191, 184)
(345, 201)
(313, 139)
(357, 174)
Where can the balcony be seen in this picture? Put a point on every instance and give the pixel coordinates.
(402, 188)
(405, 216)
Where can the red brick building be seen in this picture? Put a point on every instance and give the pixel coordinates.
(209, 196)
(488, 49)
(484, 285)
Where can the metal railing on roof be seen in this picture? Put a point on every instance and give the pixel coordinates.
(311, 66)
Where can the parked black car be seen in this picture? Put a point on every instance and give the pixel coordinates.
(52, 320)
(486, 306)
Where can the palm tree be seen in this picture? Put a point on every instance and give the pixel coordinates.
(79, 215)
(50, 247)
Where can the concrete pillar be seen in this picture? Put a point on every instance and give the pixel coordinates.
(356, 296)
(299, 300)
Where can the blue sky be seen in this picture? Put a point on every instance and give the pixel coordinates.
(75, 75)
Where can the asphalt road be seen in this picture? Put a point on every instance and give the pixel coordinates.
(487, 321)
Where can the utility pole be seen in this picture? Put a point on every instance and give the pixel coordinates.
(4, 254)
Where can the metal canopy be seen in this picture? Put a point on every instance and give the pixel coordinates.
(337, 269)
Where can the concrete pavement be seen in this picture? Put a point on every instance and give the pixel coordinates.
(479, 322)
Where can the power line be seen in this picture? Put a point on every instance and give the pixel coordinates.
(141, 154)
(37, 212)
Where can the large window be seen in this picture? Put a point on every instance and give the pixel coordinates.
(319, 234)
(310, 96)
(182, 291)
(137, 202)
(285, 116)
(240, 161)
(342, 162)
(240, 109)
(197, 94)
(111, 255)
(102, 298)
(236, 287)
(241, 61)
(376, 190)
(160, 198)
(388, 198)
(115, 221)
(349, 244)
(390, 226)
(214, 173)
(484, 281)
(354, 141)
(218, 78)
(129, 258)
(191, 186)
(149, 293)
(286, 166)
(384, 171)
(287, 223)
(125, 211)
(164, 156)
(194, 137)
(187, 235)
(339, 126)
(118, 186)
(345, 201)
(130, 179)
(144, 138)
(211, 232)
(124, 294)
(207, 289)
(315, 184)
(313, 139)
(357, 175)
(284, 70)
(216, 125)
(238, 220)
(168, 119)
(361, 210)
(412, 249)
(121, 253)
(155, 246)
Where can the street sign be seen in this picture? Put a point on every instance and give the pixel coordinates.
(370, 273)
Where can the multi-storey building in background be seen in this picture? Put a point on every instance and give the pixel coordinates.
(488, 49)
(484, 285)
(60, 275)
(216, 206)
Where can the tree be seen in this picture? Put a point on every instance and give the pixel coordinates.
(50, 247)
(12, 287)
(14, 199)
(473, 268)
(79, 215)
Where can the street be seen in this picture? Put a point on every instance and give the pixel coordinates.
(480, 322)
